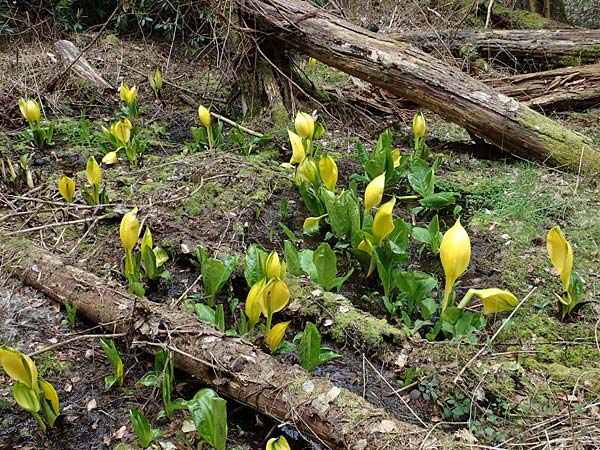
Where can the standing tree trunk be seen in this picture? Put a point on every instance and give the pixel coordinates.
(550, 9)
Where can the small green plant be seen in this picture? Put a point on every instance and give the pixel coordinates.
(141, 426)
(129, 231)
(71, 313)
(215, 273)
(123, 136)
(244, 143)
(153, 258)
(31, 392)
(209, 414)
(156, 82)
(310, 350)
(210, 134)
(116, 363)
(164, 375)
(215, 315)
(561, 254)
(41, 137)
(94, 196)
(430, 236)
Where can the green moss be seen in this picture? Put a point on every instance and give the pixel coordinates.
(347, 322)
(280, 118)
(526, 20)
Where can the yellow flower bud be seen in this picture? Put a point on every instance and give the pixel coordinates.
(298, 152)
(93, 172)
(110, 158)
(383, 223)
(129, 230)
(455, 254)
(158, 80)
(419, 125)
(204, 116)
(30, 109)
(305, 125)
(66, 187)
(278, 444)
(496, 300)
(276, 335)
(561, 255)
(122, 130)
(273, 267)
(312, 62)
(329, 172)
(374, 192)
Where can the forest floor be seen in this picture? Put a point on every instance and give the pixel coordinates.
(535, 384)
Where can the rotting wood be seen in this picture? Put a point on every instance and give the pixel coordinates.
(410, 73)
(543, 49)
(572, 88)
(232, 366)
(82, 68)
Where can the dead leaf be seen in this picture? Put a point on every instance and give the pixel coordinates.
(385, 426)
(92, 404)
(120, 432)
(188, 426)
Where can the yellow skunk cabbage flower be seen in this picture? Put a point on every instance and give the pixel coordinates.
(329, 172)
(396, 157)
(455, 253)
(158, 79)
(277, 444)
(495, 300)
(307, 170)
(274, 268)
(275, 297)
(30, 109)
(252, 307)
(366, 246)
(419, 125)
(110, 158)
(383, 223)
(66, 187)
(312, 62)
(122, 130)
(19, 367)
(374, 192)
(129, 229)
(276, 334)
(298, 152)
(305, 125)
(128, 95)
(51, 396)
(146, 243)
(561, 255)
(93, 172)
(204, 115)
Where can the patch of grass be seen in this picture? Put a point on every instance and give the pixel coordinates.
(48, 365)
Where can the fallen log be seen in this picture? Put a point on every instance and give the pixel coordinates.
(530, 49)
(234, 367)
(75, 60)
(407, 71)
(572, 88)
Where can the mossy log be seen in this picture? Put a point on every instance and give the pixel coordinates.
(234, 367)
(518, 49)
(566, 88)
(410, 73)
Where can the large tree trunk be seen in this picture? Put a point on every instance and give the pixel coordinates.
(560, 89)
(518, 49)
(232, 366)
(412, 74)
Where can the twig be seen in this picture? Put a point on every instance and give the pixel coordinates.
(478, 354)
(190, 287)
(392, 388)
(74, 339)
(59, 224)
(235, 124)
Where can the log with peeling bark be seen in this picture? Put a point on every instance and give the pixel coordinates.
(75, 60)
(543, 49)
(410, 73)
(573, 88)
(234, 367)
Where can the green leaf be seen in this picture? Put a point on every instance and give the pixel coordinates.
(421, 178)
(141, 428)
(325, 262)
(115, 361)
(310, 352)
(307, 264)
(204, 312)
(439, 200)
(292, 258)
(209, 414)
(253, 263)
(428, 307)
(421, 235)
(215, 274)
(149, 379)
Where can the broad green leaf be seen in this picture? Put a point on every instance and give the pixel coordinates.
(209, 415)
(421, 235)
(421, 178)
(292, 258)
(26, 397)
(325, 262)
(204, 312)
(439, 200)
(310, 352)
(115, 361)
(307, 264)
(253, 263)
(141, 428)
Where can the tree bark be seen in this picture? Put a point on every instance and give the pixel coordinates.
(410, 73)
(79, 65)
(573, 88)
(234, 367)
(518, 49)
